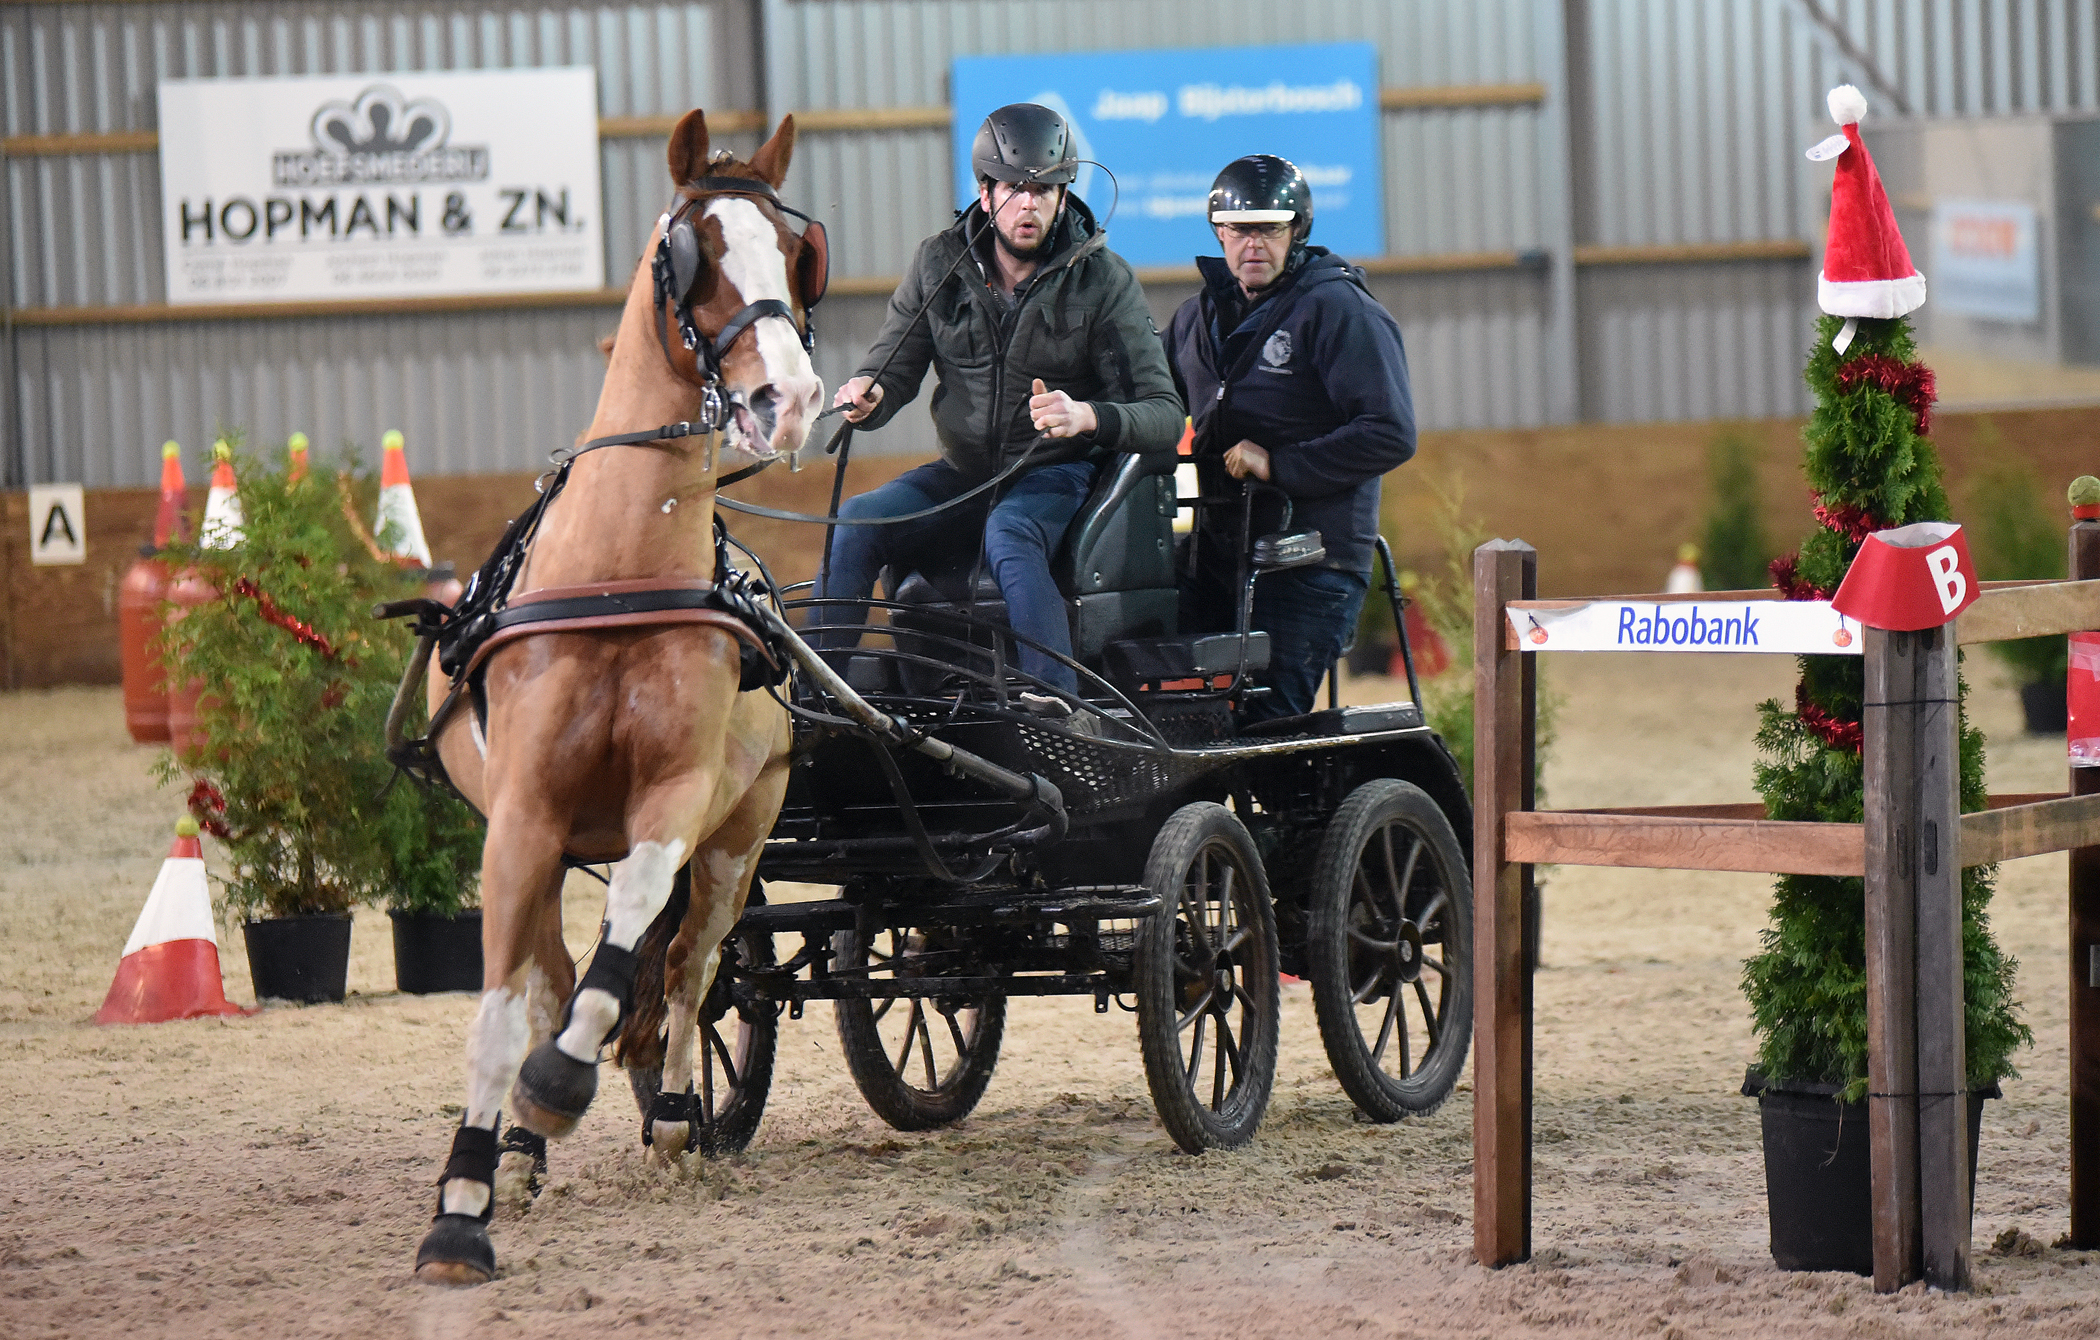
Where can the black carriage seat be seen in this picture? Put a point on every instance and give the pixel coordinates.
(1115, 567)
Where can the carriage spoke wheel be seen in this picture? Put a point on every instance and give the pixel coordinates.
(733, 1064)
(920, 1061)
(1389, 941)
(1205, 979)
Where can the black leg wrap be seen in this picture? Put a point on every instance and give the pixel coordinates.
(675, 1107)
(474, 1160)
(612, 971)
(518, 1140)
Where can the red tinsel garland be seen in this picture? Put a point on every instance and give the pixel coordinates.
(1789, 582)
(1910, 383)
(1850, 520)
(208, 807)
(1845, 735)
(299, 629)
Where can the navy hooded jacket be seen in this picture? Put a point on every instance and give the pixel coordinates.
(1317, 375)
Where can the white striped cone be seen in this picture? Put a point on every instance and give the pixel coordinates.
(170, 967)
(223, 523)
(397, 505)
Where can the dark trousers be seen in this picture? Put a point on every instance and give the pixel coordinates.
(1020, 535)
(1308, 614)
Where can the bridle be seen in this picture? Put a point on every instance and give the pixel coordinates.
(674, 271)
(675, 268)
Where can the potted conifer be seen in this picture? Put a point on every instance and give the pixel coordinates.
(431, 844)
(291, 769)
(1871, 467)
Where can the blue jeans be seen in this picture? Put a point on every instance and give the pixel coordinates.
(1020, 535)
(1308, 614)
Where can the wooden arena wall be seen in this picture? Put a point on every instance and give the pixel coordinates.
(1606, 505)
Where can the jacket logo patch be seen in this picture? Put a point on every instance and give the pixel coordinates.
(1277, 352)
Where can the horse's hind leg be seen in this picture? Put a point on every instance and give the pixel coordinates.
(520, 872)
(549, 979)
(722, 872)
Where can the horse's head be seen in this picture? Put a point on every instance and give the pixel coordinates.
(730, 258)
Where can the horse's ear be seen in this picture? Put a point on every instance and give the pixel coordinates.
(687, 150)
(771, 160)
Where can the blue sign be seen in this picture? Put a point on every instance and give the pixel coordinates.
(1164, 122)
(1985, 261)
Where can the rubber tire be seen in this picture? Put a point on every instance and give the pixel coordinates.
(735, 1121)
(1368, 808)
(1187, 834)
(903, 1105)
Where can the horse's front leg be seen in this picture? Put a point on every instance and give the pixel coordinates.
(521, 872)
(559, 1079)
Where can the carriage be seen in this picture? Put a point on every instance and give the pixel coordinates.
(1143, 851)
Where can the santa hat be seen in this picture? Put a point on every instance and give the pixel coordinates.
(1866, 268)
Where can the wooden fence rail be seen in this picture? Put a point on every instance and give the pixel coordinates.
(1910, 853)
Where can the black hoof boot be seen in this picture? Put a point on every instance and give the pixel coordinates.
(553, 1091)
(456, 1251)
(674, 1109)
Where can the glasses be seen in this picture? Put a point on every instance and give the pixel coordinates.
(1267, 232)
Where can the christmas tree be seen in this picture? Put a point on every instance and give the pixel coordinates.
(1871, 466)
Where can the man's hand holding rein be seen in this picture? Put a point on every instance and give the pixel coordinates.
(860, 396)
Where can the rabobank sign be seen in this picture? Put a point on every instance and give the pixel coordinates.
(1161, 124)
(1787, 627)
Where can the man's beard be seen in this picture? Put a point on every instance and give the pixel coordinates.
(1033, 253)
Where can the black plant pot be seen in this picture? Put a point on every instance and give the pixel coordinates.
(1819, 1175)
(433, 952)
(2048, 712)
(304, 959)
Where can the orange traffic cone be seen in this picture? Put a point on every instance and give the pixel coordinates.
(399, 526)
(222, 528)
(173, 521)
(170, 968)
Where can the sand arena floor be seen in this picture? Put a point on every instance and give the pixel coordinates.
(270, 1176)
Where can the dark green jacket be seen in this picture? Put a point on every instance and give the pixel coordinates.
(1081, 325)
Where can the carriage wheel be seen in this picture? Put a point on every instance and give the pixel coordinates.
(1205, 979)
(921, 1062)
(1389, 942)
(733, 1072)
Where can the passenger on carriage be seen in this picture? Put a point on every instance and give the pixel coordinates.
(1298, 380)
(1045, 350)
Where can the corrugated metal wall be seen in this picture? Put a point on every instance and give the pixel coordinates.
(1684, 125)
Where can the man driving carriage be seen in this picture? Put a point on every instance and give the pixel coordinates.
(1045, 352)
(1298, 380)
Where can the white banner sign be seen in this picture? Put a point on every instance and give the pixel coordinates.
(381, 186)
(1792, 627)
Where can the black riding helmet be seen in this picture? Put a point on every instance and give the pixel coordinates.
(1025, 141)
(1262, 188)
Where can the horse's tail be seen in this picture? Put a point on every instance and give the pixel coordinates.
(641, 1042)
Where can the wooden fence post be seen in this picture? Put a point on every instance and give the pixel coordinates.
(1917, 1061)
(1503, 770)
(2085, 972)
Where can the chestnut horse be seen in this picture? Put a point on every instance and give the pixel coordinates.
(632, 743)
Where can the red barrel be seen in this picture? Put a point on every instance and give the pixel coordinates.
(139, 598)
(187, 590)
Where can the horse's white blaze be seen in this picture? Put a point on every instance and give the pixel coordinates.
(752, 260)
(640, 888)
